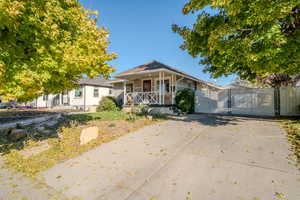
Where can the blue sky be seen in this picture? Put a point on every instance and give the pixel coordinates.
(140, 31)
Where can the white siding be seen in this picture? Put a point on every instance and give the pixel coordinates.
(90, 99)
(76, 101)
(87, 91)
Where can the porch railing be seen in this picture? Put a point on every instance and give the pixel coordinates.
(142, 97)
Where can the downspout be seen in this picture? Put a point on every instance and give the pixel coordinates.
(84, 98)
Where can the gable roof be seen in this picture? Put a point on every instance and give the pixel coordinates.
(95, 82)
(155, 65)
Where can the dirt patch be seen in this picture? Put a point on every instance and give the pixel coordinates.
(118, 127)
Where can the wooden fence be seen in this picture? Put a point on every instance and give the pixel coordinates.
(284, 101)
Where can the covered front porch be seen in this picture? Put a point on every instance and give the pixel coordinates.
(151, 88)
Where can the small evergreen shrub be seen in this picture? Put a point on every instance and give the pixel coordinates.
(108, 104)
(185, 100)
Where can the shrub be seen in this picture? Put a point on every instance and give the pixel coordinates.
(142, 109)
(185, 100)
(108, 104)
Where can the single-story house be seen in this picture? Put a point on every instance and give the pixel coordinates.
(154, 83)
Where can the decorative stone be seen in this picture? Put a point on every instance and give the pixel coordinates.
(26, 153)
(51, 123)
(149, 117)
(88, 134)
(43, 130)
(16, 134)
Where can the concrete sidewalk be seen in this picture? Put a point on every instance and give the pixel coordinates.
(201, 157)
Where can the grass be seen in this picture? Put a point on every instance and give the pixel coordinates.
(113, 125)
(292, 127)
(107, 116)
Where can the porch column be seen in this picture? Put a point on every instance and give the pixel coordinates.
(172, 91)
(163, 88)
(159, 92)
(124, 91)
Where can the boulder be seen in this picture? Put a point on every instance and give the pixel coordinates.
(149, 117)
(16, 134)
(88, 134)
(50, 123)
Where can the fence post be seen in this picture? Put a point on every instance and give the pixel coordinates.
(277, 101)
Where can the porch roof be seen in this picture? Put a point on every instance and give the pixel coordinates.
(156, 66)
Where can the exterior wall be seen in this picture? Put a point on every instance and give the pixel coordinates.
(186, 83)
(90, 99)
(75, 102)
(118, 92)
(41, 103)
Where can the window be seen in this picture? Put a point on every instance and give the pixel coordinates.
(129, 87)
(96, 92)
(45, 97)
(166, 85)
(78, 92)
(110, 91)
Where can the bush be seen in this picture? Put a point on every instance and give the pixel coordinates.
(108, 104)
(185, 100)
(141, 109)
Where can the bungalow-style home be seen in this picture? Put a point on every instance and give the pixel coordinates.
(86, 96)
(154, 83)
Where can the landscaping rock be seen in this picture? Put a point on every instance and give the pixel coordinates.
(88, 134)
(149, 117)
(26, 153)
(51, 123)
(16, 134)
(43, 130)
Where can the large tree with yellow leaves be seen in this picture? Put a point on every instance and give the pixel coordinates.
(45, 46)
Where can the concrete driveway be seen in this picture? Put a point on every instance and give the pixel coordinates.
(200, 157)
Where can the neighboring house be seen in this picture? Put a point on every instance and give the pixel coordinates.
(154, 83)
(87, 95)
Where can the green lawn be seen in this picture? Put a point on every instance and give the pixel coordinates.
(292, 127)
(103, 116)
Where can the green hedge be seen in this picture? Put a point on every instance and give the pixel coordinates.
(185, 100)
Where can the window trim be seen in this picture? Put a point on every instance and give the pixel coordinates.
(81, 94)
(96, 89)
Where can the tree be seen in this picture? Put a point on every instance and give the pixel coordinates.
(248, 38)
(46, 46)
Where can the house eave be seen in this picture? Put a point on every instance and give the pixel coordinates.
(169, 71)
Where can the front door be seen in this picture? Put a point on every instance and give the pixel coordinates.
(146, 85)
